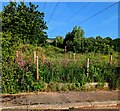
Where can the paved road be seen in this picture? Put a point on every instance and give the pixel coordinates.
(107, 109)
(61, 101)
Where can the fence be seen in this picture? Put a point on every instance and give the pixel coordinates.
(19, 60)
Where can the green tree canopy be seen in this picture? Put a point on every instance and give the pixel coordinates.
(26, 21)
(58, 41)
(74, 39)
(116, 44)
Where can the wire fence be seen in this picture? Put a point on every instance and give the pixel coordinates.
(66, 60)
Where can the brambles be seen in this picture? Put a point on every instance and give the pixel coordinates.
(58, 74)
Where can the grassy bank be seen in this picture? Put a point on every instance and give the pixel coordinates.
(58, 71)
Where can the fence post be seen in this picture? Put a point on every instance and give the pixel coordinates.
(65, 50)
(34, 56)
(20, 59)
(17, 57)
(74, 57)
(22, 62)
(110, 59)
(37, 74)
(87, 67)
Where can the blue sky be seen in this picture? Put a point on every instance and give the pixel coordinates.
(69, 14)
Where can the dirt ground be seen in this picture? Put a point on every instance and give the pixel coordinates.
(42, 98)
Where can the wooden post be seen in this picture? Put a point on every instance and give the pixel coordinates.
(21, 60)
(87, 67)
(110, 59)
(17, 57)
(74, 57)
(37, 74)
(34, 56)
(65, 50)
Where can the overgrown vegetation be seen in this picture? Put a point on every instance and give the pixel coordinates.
(59, 71)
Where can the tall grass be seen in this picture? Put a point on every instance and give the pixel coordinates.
(59, 72)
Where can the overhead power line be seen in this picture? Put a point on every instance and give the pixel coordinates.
(62, 11)
(75, 14)
(53, 11)
(44, 6)
(93, 15)
(97, 13)
(78, 12)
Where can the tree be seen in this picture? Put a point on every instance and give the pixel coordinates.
(98, 44)
(26, 21)
(74, 40)
(103, 45)
(0, 21)
(91, 44)
(107, 40)
(116, 44)
(58, 41)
